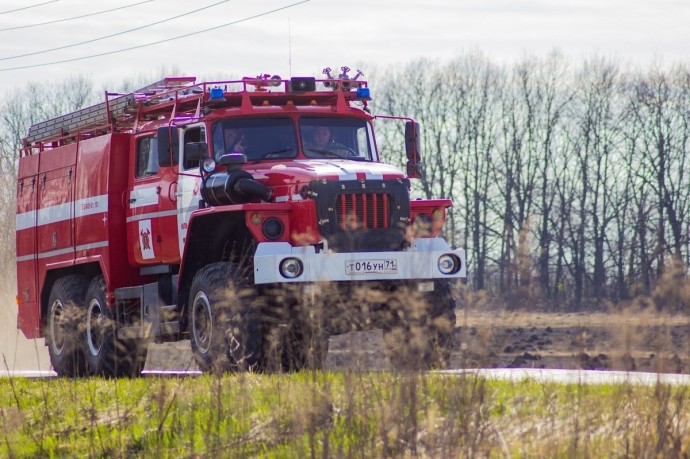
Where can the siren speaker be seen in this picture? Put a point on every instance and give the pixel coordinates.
(302, 84)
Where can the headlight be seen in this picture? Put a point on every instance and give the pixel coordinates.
(208, 165)
(272, 228)
(448, 264)
(290, 268)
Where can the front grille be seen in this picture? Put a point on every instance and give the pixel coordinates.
(362, 216)
(362, 211)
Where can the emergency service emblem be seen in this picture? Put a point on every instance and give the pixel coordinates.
(145, 239)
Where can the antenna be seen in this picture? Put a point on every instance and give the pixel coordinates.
(289, 48)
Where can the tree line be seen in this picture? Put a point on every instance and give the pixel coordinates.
(569, 179)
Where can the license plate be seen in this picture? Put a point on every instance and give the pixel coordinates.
(375, 266)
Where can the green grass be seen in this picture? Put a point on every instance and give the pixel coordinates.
(322, 414)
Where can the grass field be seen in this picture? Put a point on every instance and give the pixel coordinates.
(339, 414)
(359, 408)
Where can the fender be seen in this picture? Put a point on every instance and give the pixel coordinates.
(89, 267)
(232, 236)
(229, 239)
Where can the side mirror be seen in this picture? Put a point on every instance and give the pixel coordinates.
(413, 149)
(414, 170)
(168, 149)
(193, 153)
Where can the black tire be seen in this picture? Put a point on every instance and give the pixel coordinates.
(224, 328)
(106, 355)
(64, 325)
(306, 349)
(421, 340)
(294, 346)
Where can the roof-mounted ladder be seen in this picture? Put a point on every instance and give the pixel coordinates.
(122, 108)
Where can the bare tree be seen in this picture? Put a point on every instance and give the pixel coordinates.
(19, 109)
(596, 143)
(658, 109)
(532, 109)
(472, 92)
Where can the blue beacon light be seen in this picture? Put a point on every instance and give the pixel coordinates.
(217, 94)
(363, 93)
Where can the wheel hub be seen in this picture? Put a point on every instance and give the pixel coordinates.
(94, 328)
(202, 322)
(57, 324)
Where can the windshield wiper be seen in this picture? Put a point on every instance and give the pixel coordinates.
(271, 153)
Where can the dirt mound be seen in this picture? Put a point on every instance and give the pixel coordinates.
(626, 341)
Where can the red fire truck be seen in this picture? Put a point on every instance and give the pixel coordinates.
(248, 216)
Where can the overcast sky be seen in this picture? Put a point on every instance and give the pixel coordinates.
(302, 37)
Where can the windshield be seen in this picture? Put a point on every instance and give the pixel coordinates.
(257, 138)
(348, 138)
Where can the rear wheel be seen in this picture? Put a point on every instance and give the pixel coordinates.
(106, 355)
(421, 335)
(64, 326)
(224, 328)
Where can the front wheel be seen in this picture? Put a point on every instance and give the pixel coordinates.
(294, 346)
(294, 337)
(224, 328)
(421, 335)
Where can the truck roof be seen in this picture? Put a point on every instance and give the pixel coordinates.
(180, 99)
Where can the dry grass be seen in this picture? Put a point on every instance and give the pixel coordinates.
(345, 413)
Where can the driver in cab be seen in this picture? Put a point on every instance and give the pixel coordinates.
(234, 141)
(321, 142)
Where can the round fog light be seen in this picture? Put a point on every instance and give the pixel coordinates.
(272, 228)
(448, 264)
(291, 268)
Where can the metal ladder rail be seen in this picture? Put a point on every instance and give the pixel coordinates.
(102, 115)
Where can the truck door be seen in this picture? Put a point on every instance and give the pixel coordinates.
(152, 206)
(189, 183)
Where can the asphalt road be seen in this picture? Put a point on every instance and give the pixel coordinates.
(511, 374)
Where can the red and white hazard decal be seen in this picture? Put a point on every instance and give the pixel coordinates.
(146, 239)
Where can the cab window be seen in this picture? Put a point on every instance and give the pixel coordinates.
(147, 157)
(257, 138)
(347, 138)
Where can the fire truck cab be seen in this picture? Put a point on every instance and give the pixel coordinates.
(253, 217)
